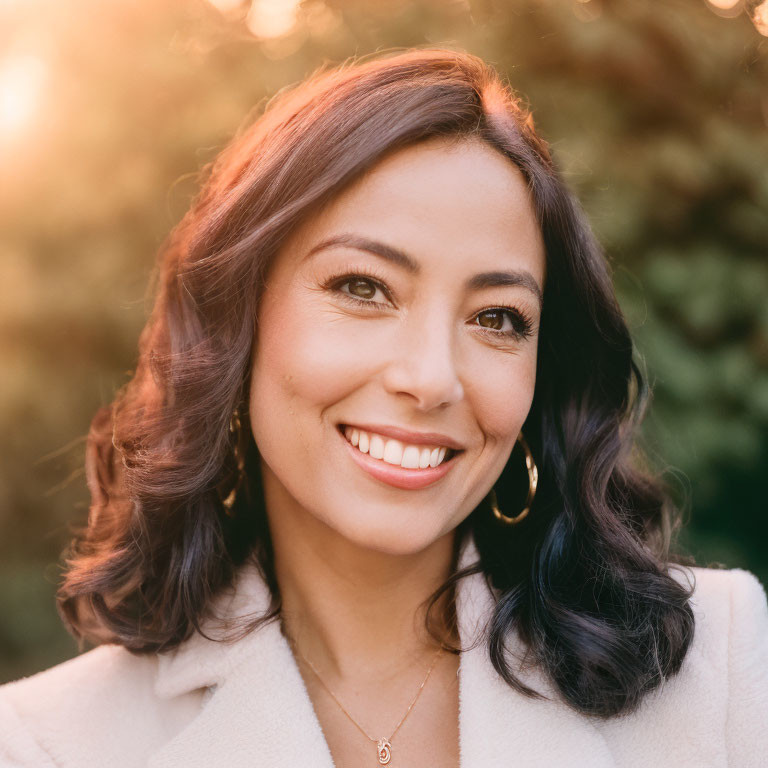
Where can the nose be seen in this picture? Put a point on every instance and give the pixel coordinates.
(422, 364)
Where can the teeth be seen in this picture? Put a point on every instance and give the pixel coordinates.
(393, 454)
(394, 451)
(377, 447)
(410, 457)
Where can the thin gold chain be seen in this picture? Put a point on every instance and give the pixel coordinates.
(341, 706)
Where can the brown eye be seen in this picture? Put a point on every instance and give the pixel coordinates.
(359, 289)
(519, 327)
(362, 288)
(492, 318)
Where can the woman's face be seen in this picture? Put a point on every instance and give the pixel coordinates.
(409, 304)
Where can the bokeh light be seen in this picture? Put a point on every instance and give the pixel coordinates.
(21, 85)
(226, 6)
(726, 5)
(759, 16)
(269, 19)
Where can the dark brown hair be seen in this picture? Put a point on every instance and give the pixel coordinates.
(584, 579)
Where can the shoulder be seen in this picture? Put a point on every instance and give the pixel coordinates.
(719, 584)
(714, 711)
(731, 612)
(730, 640)
(86, 711)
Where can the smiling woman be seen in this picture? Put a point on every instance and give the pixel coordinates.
(355, 333)
(312, 534)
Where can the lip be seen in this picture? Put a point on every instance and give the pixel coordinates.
(406, 436)
(407, 479)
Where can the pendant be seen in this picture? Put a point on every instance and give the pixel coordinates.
(385, 751)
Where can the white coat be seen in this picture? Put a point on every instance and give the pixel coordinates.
(244, 704)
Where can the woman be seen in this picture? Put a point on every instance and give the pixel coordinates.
(372, 493)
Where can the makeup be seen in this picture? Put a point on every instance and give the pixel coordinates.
(407, 479)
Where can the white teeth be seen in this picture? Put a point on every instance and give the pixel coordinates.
(376, 448)
(410, 457)
(394, 451)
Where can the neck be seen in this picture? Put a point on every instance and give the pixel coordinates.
(354, 611)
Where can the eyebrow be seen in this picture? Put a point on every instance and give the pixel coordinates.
(477, 282)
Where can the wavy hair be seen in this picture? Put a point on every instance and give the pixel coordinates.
(585, 580)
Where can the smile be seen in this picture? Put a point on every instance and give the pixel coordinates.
(405, 455)
(397, 463)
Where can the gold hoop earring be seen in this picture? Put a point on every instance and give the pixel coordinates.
(533, 481)
(235, 428)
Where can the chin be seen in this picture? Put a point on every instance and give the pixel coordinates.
(385, 533)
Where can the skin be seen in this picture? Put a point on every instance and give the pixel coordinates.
(356, 557)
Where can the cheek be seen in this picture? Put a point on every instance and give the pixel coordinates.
(501, 392)
(307, 358)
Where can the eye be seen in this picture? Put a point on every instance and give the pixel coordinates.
(505, 321)
(497, 323)
(359, 288)
(362, 288)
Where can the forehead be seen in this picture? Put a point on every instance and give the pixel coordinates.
(444, 201)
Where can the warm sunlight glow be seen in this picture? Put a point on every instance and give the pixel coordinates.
(587, 10)
(724, 5)
(760, 18)
(226, 6)
(272, 18)
(21, 80)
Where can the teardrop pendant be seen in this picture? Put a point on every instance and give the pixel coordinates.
(385, 751)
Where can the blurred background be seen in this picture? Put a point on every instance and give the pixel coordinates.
(656, 112)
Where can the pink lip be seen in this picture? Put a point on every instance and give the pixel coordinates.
(416, 438)
(407, 479)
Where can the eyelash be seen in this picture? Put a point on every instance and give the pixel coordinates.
(521, 321)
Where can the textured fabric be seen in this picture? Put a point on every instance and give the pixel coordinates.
(245, 704)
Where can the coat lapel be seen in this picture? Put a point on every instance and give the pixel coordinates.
(259, 712)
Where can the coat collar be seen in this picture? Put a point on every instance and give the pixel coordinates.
(260, 711)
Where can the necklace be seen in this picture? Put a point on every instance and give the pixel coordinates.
(383, 745)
